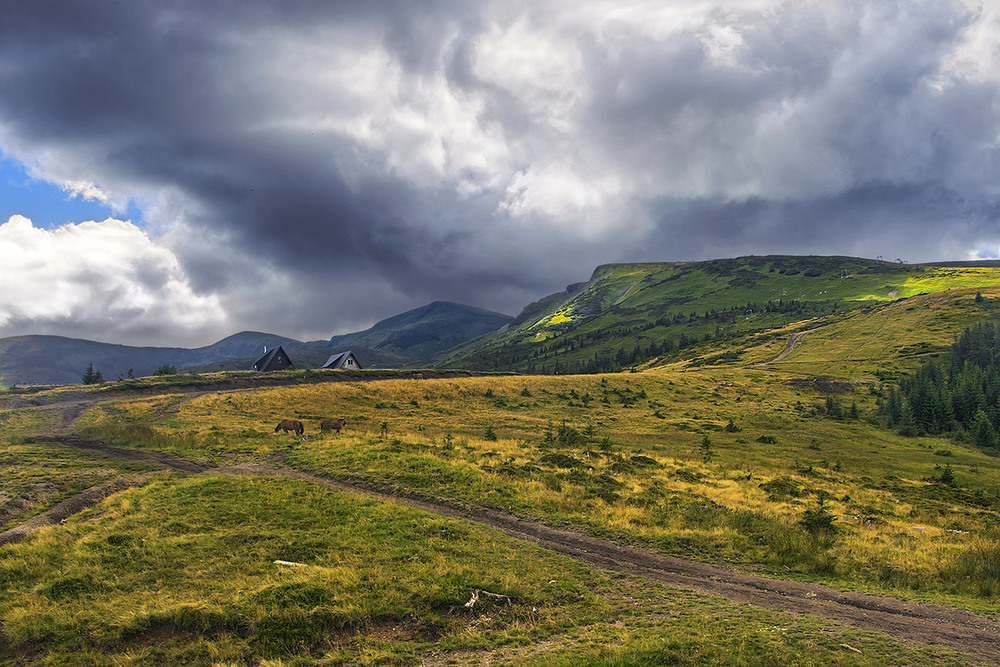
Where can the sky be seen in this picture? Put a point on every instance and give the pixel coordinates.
(172, 172)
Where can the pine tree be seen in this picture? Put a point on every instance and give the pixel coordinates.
(893, 406)
(706, 449)
(907, 424)
(983, 433)
(967, 396)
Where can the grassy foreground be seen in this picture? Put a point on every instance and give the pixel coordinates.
(198, 571)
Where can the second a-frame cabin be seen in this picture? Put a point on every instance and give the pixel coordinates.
(274, 360)
(342, 360)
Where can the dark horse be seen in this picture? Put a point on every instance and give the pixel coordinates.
(290, 425)
(332, 424)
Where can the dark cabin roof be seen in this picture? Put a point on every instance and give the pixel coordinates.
(274, 360)
(339, 359)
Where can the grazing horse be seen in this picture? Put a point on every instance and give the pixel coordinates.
(290, 425)
(332, 424)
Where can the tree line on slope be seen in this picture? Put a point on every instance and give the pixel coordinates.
(640, 338)
(962, 396)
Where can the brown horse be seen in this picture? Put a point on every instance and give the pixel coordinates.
(332, 424)
(290, 425)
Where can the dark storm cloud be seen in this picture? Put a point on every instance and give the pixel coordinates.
(868, 221)
(345, 161)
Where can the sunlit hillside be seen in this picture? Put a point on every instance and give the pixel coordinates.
(631, 314)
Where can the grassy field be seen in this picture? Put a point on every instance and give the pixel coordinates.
(784, 470)
(184, 568)
(192, 571)
(711, 463)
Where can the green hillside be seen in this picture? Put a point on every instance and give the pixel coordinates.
(630, 314)
(879, 341)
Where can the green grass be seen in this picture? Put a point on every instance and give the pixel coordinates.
(36, 476)
(624, 456)
(624, 306)
(892, 338)
(184, 571)
(196, 558)
(715, 633)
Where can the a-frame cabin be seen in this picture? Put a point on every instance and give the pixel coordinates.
(342, 360)
(274, 360)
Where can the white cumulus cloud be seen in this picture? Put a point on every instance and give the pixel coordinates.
(107, 278)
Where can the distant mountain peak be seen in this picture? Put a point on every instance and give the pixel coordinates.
(410, 338)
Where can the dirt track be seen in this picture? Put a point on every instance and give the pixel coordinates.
(971, 634)
(793, 340)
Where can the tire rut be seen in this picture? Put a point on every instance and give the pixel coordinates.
(124, 454)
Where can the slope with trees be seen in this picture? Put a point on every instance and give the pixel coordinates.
(634, 314)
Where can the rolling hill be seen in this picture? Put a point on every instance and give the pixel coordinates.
(625, 316)
(628, 315)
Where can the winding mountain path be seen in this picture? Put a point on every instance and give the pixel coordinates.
(793, 340)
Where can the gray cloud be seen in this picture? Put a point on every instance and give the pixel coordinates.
(316, 166)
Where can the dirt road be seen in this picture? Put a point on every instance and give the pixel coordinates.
(793, 340)
(971, 634)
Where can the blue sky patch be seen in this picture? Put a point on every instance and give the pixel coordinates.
(45, 204)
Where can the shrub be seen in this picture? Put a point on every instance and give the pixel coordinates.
(569, 436)
(948, 476)
(561, 461)
(781, 488)
(819, 521)
(641, 460)
(605, 487)
(706, 449)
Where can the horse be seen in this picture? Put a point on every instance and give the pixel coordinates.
(290, 425)
(332, 424)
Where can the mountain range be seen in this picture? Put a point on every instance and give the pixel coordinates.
(626, 315)
(405, 340)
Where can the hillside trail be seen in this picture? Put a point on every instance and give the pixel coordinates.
(793, 340)
(922, 623)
